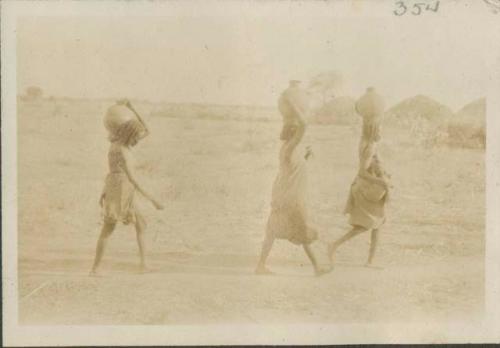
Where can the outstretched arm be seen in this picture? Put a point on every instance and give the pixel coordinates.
(130, 175)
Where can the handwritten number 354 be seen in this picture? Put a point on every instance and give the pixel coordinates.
(416, 9)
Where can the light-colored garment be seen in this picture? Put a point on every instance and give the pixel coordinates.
(119, 203)
(291, 98)
(366, 202)
(288, 218)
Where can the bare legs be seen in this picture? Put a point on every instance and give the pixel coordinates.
(139, 229)
(373, 246)
(310, 255)
(356, 230)
(317, 270)
(106, 232)
(266, 249)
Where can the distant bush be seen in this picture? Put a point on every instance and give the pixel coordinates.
(340, 110)
(33, 93)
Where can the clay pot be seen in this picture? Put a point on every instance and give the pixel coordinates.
(370, 105)
(117, 115)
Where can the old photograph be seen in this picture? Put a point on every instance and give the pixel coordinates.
(200, 164)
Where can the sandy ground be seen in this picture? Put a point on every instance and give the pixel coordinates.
(215, 178)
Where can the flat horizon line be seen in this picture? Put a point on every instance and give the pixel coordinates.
(139, 100)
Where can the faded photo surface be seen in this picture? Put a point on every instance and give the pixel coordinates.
(252, 164)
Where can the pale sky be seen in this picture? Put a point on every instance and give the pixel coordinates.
(249, 59)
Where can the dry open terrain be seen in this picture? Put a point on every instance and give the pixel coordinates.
(215, 178)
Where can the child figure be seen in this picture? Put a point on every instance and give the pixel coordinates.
(118, 197)
(369, 192)
(368, 196)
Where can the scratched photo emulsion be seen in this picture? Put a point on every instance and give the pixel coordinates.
(192, 170)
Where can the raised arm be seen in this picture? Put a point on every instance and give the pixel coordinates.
(131, 176)
(146, 129)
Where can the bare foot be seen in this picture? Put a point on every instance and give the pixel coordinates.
(331, 253)
(322, 271)
(263, 270)
(94, 273)
(145, 269)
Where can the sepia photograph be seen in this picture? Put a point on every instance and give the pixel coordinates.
(229, 167)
